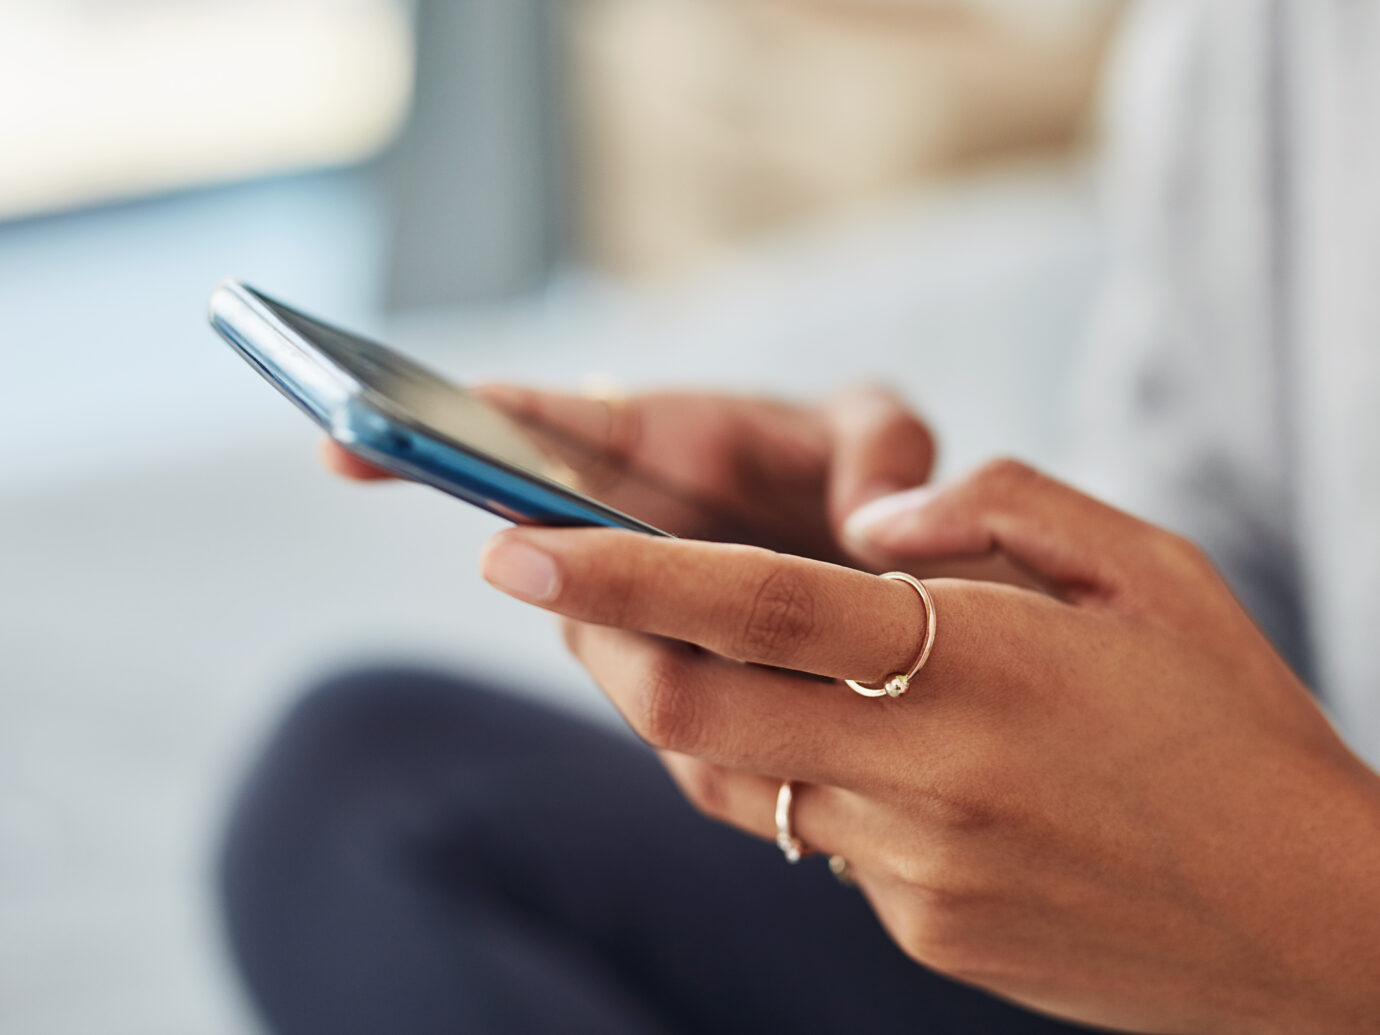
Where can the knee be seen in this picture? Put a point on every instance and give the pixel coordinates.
(332, 782)
(341, 742)
(348, 718)
(367, 759)
(371, 724)
(316, 799)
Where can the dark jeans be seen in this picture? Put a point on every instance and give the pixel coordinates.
(414, 854)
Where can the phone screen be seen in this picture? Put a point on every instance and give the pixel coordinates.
(321, 367)
(459, 414)
(521, 441)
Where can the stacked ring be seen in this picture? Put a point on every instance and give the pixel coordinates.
(790, 845)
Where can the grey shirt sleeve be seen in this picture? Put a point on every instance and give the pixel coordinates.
(1183, 416)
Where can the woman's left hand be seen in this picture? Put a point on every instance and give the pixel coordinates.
(1113, 803)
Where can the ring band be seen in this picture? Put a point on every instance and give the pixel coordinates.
(843, 873)
(789, 844)
(899, 684)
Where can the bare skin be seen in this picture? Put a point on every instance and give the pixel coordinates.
(1107, 799)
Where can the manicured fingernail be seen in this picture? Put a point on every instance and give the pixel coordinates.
(876, 523)
(522, 571)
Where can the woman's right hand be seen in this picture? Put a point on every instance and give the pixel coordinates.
(756, 471)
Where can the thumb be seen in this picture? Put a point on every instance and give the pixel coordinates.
(878, 447)
(1067, 540)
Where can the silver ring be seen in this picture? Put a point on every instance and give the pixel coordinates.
(789, 844)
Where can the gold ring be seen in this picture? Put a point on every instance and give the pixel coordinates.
(899, 684)
(789, 844)
(843, 873)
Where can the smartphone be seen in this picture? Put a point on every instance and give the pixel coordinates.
(409, 421)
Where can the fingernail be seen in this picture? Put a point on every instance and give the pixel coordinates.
(875, 523)
(522, 571)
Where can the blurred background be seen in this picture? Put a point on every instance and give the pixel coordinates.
(758, 195)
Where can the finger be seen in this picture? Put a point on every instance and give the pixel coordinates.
(999, 657)
(752, 605)
(597, 437)
(341, 461)
(589, 418)
(742, 602)
(879, 447)
(1072, 541)
(824, 819)
(738, 716)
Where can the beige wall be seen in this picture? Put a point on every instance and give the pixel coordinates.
(701, 123)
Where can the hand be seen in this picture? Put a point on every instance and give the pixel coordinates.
(737, 469)
(1115, 804)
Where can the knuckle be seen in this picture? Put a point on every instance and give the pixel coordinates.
(883, 409)
(667, 713)
(903, 430)
(1176, 560)
(945, 925)
(780, 619)
(939, 872)
(934, 934)
(1006, 474)
(1187, 584)
(906, 866)
(1181, 554)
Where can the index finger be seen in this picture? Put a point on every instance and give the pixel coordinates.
(757, 606)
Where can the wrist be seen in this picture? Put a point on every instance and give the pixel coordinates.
(1319, 910)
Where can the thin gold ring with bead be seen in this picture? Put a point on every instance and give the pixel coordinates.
(899, 684)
